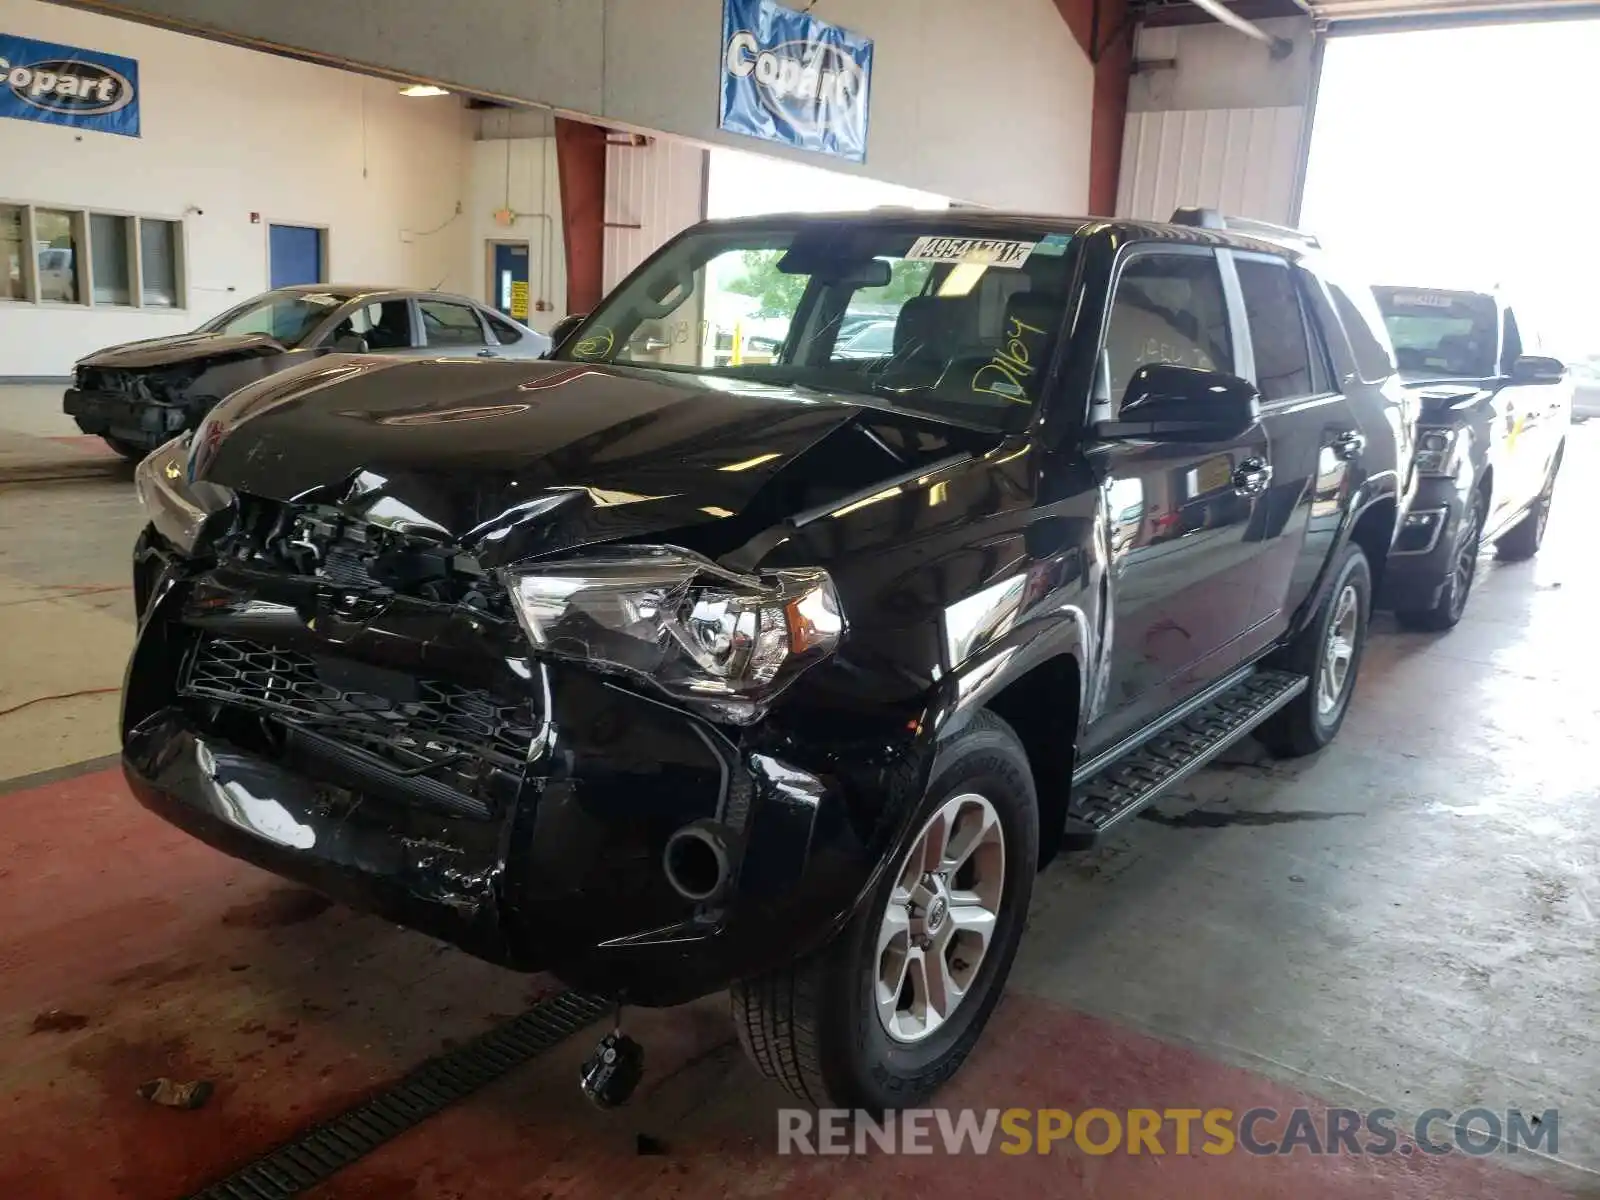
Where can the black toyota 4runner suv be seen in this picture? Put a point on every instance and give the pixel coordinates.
(781, 677)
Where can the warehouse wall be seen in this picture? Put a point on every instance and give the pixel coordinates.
(228, 132)
(1215, 120)
(653, 191)
(519, 173)
(986, 102)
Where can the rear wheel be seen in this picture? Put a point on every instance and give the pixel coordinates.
(1446, 611)
(885, 1013)
(1522, 540)
(1328, 652)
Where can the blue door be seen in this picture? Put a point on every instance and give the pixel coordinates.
(295, 253)
(509, 289)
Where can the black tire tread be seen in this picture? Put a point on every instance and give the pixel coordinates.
(1522, 541)
(775, 1016)
(1426, 620)
(1288, 733)
(130, 451)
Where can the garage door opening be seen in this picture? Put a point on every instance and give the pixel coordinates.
(1457, 158)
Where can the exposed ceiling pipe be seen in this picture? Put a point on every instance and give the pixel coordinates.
(1280, 47)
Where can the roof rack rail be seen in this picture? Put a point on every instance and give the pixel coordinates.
(1210, 218)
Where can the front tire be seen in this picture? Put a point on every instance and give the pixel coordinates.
(881, 1016)
(1447, 611)
(132, 451)
(1522, 540)
(1328, 651)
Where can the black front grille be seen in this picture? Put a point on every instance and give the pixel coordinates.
(422, 729)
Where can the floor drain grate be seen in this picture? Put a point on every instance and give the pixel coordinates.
(319, 1153)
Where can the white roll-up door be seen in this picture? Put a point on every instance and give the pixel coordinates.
(1218, 120)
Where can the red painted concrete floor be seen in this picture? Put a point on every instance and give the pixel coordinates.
(129, 951)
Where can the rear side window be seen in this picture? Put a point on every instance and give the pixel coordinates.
(504, 332)
(450, 324)
(1277, 328)
(1168, 308)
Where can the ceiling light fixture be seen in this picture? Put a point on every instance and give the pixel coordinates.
(423, 89)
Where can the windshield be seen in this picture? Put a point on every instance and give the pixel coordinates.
(287, 316)
(1440, 334)
(946, 318)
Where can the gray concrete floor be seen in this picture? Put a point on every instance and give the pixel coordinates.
(1409, 919)
(34, 409)
(39, 441)
(66, 619)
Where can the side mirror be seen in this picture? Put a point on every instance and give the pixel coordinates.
(351, 343)
(1536, 368)
(562, 329)
(1186, 404)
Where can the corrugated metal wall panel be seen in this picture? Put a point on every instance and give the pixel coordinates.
(1242, 161)
(658, 187)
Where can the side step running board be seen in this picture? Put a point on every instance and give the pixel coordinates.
(1133, 781)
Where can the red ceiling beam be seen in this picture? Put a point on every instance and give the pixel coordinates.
(581, 166)
(1104, 29)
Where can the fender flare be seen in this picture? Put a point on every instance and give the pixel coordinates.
(1065, 631)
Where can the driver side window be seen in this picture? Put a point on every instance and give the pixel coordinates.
(1168, 308)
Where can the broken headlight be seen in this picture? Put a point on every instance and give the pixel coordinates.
(722, 642)
(1436, 451)
(177, 506)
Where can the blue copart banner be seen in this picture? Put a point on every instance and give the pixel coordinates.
(788, 77)
(63, 85)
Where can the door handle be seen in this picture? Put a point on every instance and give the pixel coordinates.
(487, 353)
(1250, 478)
(1349, 444)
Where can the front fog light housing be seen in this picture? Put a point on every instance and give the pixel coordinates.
(725, 643)
(177, 506)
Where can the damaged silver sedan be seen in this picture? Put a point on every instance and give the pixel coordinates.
(139, 395)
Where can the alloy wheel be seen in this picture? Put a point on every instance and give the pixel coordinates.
(1339, 650)
(1465, 567)
(940, 918)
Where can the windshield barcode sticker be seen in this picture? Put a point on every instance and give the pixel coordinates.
(1422, 300)
(970, 250)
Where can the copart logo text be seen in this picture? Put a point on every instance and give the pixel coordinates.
(71, 86)
(804, 79)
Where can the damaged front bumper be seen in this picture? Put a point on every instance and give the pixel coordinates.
(141, 422)
(418, 763)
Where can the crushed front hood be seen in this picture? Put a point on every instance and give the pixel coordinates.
(182, 347)
(512, 460)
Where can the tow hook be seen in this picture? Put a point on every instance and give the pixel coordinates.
(613, 1071)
